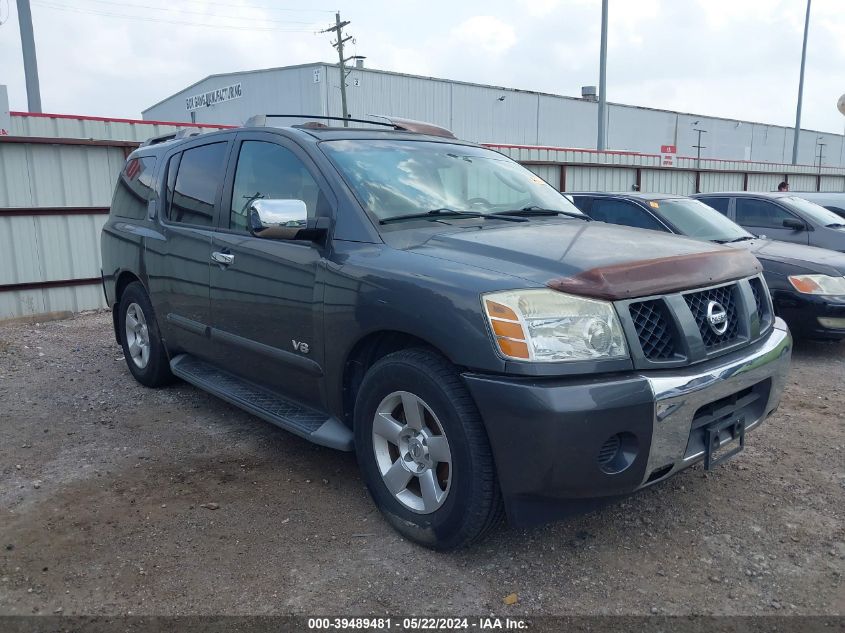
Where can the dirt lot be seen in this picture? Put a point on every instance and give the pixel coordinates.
(105, 493)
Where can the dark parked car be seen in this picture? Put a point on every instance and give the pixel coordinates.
(807, 283)
(440, 310)
(830, 200)
(781, 216)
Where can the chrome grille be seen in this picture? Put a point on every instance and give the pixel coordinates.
(760, 301)
(652, 326)
(698, 303)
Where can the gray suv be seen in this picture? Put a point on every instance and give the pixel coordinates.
(481, 345)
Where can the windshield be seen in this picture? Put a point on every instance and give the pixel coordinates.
(812, 210)
(399, 178)
(696, 219)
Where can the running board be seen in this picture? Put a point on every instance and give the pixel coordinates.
(302, 421)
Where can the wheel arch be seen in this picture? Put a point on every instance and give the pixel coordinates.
(366, 352)
(123, 280)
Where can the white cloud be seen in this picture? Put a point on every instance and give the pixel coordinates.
(734, 58)
(486, 33)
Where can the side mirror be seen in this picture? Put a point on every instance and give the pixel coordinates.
(795, 225)
(284, 220)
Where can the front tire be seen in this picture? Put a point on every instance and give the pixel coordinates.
(424, 453)
(140, 338)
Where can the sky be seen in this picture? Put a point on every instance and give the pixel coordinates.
(730, 58)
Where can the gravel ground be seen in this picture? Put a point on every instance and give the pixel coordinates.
(118, 499)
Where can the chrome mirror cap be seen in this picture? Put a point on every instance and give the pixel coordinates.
(267, 214)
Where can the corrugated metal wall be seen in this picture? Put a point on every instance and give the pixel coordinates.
(549, 173)
(832, 183)
(720, 181)
(53, 126)
(493, 114)
(764, 182)
(802, 182)
(600, 179)
(46, 175)
(668, 181)
(37, 248)
(54, 192)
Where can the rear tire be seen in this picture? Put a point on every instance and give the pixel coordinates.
(424, 453)
(140, 338)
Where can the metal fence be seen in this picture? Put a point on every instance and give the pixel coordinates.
(55, 192)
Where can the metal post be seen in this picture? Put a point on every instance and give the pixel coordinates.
(30, 64)
(601, 142)
(800, 88)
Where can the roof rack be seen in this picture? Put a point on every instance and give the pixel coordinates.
(405, 125)
(163, 138)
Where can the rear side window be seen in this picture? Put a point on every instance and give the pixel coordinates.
(761, 213)
(134, 188)
(193, 190)
(624, 213)
(720, 204)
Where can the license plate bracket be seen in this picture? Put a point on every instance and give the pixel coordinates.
(735, 427)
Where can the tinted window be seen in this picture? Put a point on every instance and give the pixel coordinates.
(762, 213)
(134, 188)
(199, 175)
(625, 213)
(269, 171)
(582, 202)
(720, 204)
(838, 211)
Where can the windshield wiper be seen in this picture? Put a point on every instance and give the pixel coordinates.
(835, 225)
(534, 210)
(434, 214)
(743, 238)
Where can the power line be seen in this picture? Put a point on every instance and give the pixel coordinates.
(202, 13)
(165, 21)
(264, 8)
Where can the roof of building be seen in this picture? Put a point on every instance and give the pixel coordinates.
(464, 83)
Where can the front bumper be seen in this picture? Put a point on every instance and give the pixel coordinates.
(550, 436)
(802, 313)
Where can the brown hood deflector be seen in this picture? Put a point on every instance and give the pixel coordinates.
(660, 276)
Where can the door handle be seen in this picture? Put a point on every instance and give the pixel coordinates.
(222, 258)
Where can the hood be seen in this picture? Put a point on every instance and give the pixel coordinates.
(811, 259)
(592, 258)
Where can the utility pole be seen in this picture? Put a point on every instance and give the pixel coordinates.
(821, 146)
(699, 147)
(30, 64)
(601, 142)
(800, 88)
(338, 26)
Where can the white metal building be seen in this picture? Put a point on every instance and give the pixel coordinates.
(483, 113)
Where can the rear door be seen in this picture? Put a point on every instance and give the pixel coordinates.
(266, 305)
(764, 217)
(178, 258)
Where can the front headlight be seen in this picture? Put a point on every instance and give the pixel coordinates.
(818, 284)
(546, 326)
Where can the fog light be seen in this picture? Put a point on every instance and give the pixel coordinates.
(617, 453)
(832, 323)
